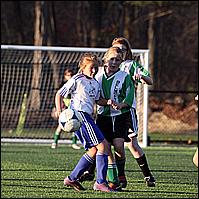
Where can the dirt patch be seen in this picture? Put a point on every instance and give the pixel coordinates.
(172, 116)
(159, 122)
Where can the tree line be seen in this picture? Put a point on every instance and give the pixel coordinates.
(169, 29)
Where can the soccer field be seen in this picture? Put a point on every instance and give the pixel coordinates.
(37, 171)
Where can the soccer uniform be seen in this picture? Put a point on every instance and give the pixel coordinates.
(66, 101)
(84, 92)
(131, 67)
(118, 87)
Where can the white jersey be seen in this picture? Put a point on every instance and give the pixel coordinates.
(84, 92)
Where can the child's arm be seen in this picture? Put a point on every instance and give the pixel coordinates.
(58, 104)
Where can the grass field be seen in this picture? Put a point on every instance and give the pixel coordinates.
(49, 133)
(37, 171)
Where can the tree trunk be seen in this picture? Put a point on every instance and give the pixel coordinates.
(38, 38)
(151, 42)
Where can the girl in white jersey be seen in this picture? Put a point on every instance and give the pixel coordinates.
(139, 75)
(85, 91)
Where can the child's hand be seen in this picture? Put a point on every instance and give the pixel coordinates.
(57, 113)
(109, 102)
(137, 75)
(113, 104)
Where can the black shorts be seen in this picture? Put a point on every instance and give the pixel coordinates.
(114, 127)
(133, 121)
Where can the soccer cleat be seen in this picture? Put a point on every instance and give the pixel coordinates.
(86, 176)
(54, 145)
(122, 181)
(114, 186)
(103, 187)
(75, 146)
(150, 181)
(75, 184)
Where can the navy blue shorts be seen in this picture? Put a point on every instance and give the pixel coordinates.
(89, 134)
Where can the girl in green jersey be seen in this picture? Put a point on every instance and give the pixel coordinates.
(117, 87)
(138, 75)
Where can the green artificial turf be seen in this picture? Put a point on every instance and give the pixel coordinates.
(37, 171)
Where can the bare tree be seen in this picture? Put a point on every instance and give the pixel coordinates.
(38, 38)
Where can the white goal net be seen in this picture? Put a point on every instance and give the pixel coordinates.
(30, 77)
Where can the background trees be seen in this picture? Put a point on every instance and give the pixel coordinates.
(168, 29)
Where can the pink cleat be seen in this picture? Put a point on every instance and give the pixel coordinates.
(75, 184)
(103, 187)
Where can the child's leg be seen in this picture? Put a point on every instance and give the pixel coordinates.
(56, 137)
(83, 164)
(102, 166)
(102, 161)
(57, 134)
(112, 172)
(195, 158)
(140, 157)
(120, 160)
(74, 138)
(74, 142)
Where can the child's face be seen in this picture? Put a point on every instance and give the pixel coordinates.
(90, 69)
(123, 48)
(112, 62)
(67, 76)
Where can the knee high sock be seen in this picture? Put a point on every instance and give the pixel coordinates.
(121, 166)
(83, 164)
(101, 167)
(142, 162)
(56, 136)
(112, 174)
(74, 139)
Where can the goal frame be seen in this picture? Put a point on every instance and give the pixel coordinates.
(144, 141)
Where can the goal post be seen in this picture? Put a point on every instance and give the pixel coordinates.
(36, 72)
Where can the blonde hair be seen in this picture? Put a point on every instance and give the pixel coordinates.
(111, 50)
(88, 57)
(125, 42)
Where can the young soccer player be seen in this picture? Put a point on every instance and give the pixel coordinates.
(85, 91)
(117, 87)
(68, 73)
(139, 75)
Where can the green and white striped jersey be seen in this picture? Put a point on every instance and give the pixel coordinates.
(132, 67)
(118, 87)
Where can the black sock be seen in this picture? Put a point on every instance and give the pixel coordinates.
(121, 166)
(142, 162)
